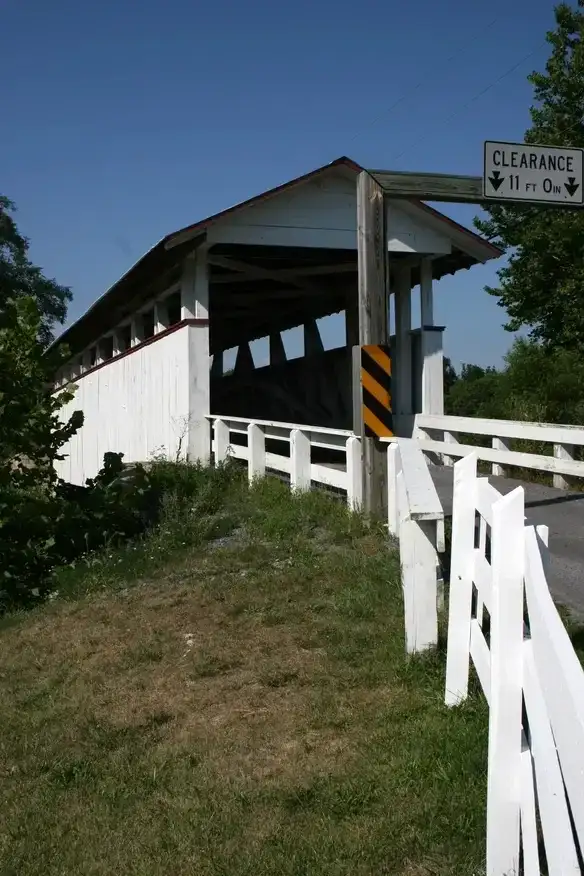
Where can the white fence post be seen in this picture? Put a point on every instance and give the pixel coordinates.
(354, 477)
(562, 451)
(393, 465)
(497, 470)
(461, 575)
(418, 573)
(256, 444)
(299, 460)
(506, 693)
(449, 438)
(221, 430)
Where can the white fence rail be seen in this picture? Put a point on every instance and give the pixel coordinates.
(530, 675)
(562, 438)
(343, 474)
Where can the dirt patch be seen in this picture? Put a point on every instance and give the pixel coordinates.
(239, 687)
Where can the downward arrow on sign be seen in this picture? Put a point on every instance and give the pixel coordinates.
(571, 186)
(496, 180)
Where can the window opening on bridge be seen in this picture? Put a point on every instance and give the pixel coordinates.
(106, 348)
(173, 308)
(148, 324)
(293, 340)
(124, 338)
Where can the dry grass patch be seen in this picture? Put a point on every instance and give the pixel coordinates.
(246, 709)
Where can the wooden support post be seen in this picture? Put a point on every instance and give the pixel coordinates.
(160, 317)
(403, 387)
(75, 368)
(498, 470)
(354, 478)
(137, 332)
(562, 451)
(195, 306)
(449, 438)
(352, 320)
(188, 295)
(221, 440)
(372, 257)
(244, 359)
(312, 340)
(393, 470)
(299, 461)
(256, 452)
(426, 293)
(432, 371)
(117, 344)
(277, 351)
(217, 364)
(431, 340)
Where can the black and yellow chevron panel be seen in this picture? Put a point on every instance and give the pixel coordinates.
(376, 391)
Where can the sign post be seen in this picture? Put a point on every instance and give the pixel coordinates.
(372, 258)
(523, 173)
(548, 176)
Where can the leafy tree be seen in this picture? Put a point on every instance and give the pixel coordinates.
(31, 436)
(44, 522)
(450, 375)
(31, 433)
(476, 393)
(543, 284)
(21, 279)
(544, 385)
(537, 384)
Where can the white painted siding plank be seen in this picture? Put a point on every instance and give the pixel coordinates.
(133, 405)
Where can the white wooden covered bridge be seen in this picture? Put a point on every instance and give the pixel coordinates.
(147, 357)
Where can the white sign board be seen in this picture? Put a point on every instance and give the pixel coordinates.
(534, 174)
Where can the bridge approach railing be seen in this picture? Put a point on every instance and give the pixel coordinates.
(448, 436)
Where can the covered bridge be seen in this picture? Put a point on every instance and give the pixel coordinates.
(147, 357)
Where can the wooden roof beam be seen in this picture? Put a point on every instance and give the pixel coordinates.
(269, 297)
(291, 273)
(430, 186)
(254, 272)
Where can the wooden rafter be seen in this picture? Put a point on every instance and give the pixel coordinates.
(289, 274)
(255, 272)
(259, 297)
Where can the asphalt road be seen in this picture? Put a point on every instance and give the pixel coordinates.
(563, 512)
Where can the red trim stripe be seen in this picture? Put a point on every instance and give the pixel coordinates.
(140, 346)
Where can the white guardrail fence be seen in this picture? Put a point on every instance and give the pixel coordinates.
(562, 438)
(529, 673)
(501, 617)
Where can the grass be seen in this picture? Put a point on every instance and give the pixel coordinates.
(231, 696)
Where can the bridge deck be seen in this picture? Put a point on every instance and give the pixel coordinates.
(561, 510)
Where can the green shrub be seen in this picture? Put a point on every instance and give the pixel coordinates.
(44, 533)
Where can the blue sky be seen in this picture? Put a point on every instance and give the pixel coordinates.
(124, 121)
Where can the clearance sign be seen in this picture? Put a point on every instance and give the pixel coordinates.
(534, 174)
